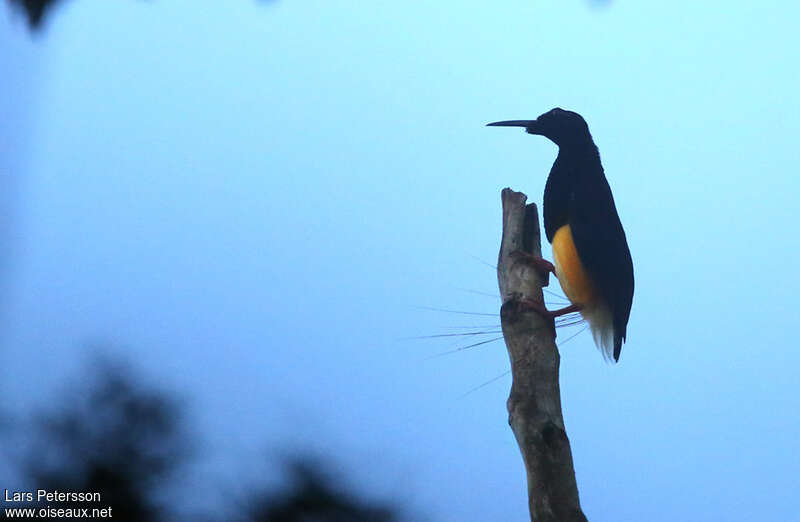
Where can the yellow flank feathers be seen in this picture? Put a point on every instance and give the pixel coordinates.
(579, 289)
(570, 272)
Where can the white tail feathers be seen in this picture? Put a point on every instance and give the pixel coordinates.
(602, 325)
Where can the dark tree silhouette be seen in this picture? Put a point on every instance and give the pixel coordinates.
(114, 437)
(312, 497)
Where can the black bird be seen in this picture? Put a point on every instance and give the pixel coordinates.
(592, 260)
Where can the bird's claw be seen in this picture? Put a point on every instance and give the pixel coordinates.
(542, 265)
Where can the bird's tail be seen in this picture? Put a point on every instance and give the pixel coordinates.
(618, 340)
(602, 325)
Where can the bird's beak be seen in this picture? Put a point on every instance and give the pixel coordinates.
(531, 126)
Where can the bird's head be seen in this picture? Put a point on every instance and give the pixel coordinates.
(562, 127)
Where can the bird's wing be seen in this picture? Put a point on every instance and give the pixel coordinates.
(603, 251)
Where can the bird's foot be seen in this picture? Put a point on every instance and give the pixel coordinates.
(539, 263)
(548, 315)
(539, 308)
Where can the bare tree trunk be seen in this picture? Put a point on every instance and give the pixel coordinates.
(534, 405)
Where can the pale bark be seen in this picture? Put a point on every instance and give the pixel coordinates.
(534, 405)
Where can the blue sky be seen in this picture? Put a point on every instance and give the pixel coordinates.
(252, 202)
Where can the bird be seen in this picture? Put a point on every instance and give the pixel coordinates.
(591, 258)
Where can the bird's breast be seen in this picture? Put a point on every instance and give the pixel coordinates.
(571, 275)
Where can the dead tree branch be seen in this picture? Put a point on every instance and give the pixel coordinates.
(534, 405)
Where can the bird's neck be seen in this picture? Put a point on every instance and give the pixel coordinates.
(579, 152)
(575, 164)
